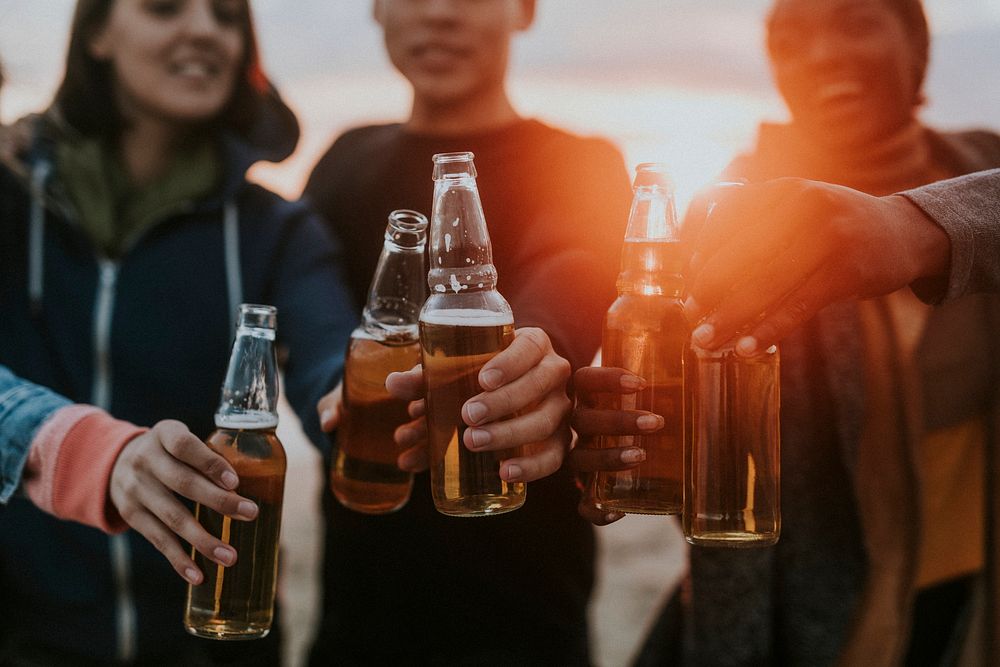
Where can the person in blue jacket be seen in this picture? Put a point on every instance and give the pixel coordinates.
(131, 235)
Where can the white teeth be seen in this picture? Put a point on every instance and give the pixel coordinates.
(839, 89)
(193, 69)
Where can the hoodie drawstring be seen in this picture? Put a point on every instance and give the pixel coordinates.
(234, 274)
(36, 236)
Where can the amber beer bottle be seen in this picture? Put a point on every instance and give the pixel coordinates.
(237, 602)
(364, 476)
(464, 323)
(646, 332)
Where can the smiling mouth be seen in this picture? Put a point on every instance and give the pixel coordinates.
(195, 69)
(837, 92)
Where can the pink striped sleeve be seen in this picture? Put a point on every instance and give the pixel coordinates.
(70, 462)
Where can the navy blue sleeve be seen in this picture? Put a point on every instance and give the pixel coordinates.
(315, 317)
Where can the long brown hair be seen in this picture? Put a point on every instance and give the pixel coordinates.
(86, 99)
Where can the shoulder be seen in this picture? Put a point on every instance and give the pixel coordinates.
(591, 147)
(970, 150)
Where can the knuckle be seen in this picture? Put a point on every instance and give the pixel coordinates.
(536, 338)
(184, 484)
(175, 518)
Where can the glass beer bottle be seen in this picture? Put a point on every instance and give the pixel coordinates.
(646, 333)
(733, 459)
(364, 476)
(237, 602)
(464, 323)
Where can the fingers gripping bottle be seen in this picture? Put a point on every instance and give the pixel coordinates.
(364, 475)
(237, 602)
(464, 323)
(646, 332)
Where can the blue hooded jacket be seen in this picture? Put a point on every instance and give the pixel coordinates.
(147, 336)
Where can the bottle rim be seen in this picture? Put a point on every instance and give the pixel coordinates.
(652, 174)
(258, 316)
(459, 156)
(407, 220)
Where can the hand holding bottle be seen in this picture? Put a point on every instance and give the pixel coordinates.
(169, 459)
(593, 385)
(527, 379)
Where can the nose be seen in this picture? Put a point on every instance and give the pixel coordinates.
(824, 49)
(200, 19)
(440, 10)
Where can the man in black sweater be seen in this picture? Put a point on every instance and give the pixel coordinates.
(417, 587)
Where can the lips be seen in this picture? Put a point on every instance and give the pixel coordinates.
(435, 55)
(836, 92)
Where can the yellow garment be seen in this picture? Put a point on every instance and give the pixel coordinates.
(949, 469)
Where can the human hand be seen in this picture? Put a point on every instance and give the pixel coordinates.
(770, 255)
(15, 142)
(527, 378)
(594, 387)
(331, 408)
(165, 460)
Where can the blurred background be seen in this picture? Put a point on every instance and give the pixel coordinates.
(679, 81)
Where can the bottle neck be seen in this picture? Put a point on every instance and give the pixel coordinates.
(397, 293)
(250, 392)
(461, 257)
(651, 268)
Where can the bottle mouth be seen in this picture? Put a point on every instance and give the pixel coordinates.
(258, 316)
(454, 165)
(652, 174)
(405, 220)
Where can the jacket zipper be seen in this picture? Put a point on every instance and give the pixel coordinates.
(121, 553)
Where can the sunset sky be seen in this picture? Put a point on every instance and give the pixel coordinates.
(679, 81)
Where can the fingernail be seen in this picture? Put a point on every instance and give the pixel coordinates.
(475, 411)
(193, 576)
(649, 422)
(703, 335)
(746, 346)
(247, 509)
(480, 437)
(230, 480)
(224, 556)
(632, 382)
(491, 379)
(513, 473)
(325, 417)
(633, 455)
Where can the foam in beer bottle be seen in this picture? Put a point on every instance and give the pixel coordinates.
(646, 332)
(237, 602)
(464, 323)
(364, 475)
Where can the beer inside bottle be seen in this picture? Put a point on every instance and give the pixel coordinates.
(733, 460)
(237, 602)
(455, 346)
(646, 333)
(365, 476)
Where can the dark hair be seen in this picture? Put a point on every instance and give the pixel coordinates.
(911, 13)
(86, 99)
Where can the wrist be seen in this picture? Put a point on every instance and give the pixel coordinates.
(928, 246)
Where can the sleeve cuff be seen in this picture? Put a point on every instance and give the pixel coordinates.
(70, 464)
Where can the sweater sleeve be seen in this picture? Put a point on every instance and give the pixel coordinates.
(68, 471)
(968, 210)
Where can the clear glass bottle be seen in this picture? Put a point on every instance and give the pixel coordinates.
(647, 333)
(464, 323)
(364, 476)
(237, 602)
(732, 480)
